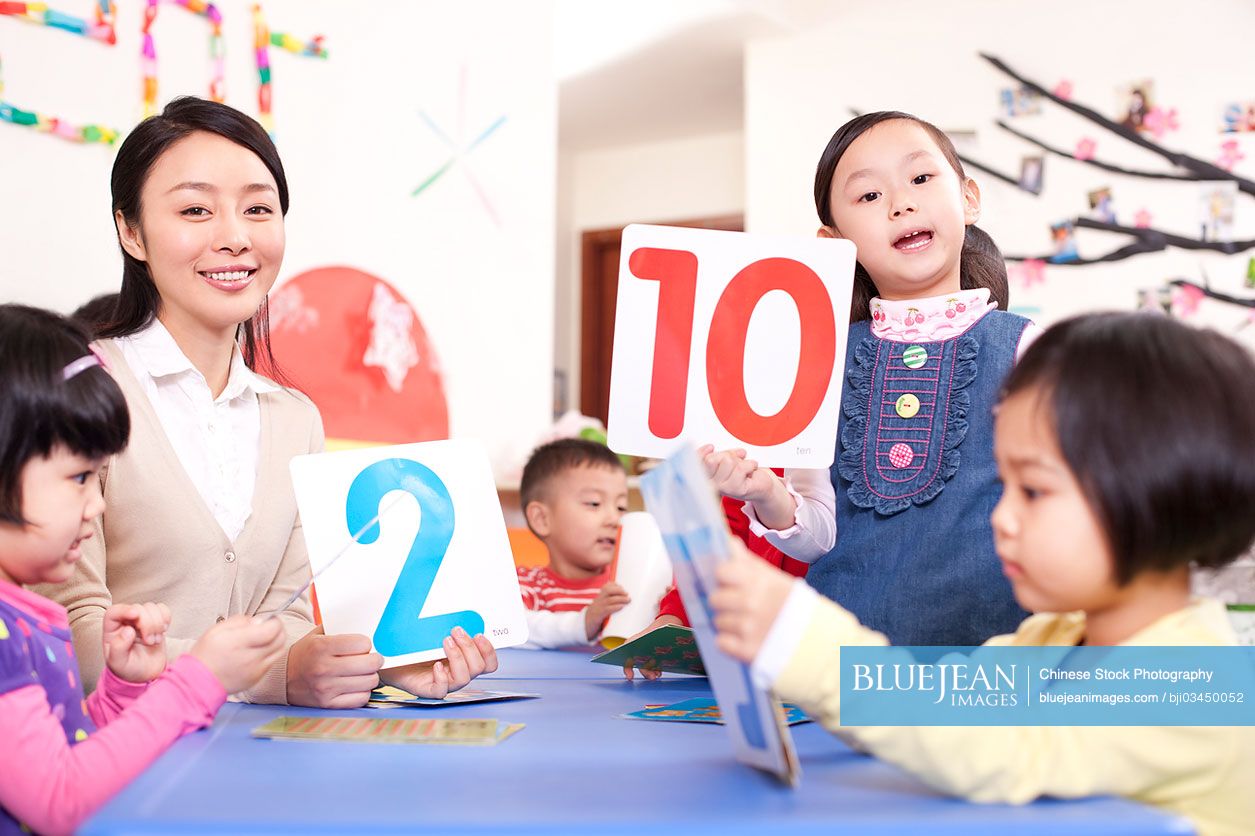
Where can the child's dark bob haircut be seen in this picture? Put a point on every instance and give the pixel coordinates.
(555, 458)
(1157, 422)
(40, 409)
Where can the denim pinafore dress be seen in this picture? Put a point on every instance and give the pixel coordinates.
(916, 483)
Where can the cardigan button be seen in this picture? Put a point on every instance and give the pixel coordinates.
(230, 556)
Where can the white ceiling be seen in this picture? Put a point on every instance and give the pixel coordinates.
(661, 69)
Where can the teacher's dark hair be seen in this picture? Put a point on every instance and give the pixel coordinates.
(138, 299)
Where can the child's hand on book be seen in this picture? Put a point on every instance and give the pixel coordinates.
(135, 640)
(609, 601)
(661, 621)
(751, 594)
(239, 650)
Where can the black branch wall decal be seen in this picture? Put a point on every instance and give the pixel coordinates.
(1148, 240)
(1204, 169)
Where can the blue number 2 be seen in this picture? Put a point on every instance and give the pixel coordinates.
(400, 629)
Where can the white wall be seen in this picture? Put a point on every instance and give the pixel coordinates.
(916, 56)
(354, 148)
(676, 180)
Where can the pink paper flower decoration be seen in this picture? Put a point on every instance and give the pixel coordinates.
(1085, 149)
(1229, 155)
(1063, 90)
(1032, 271)
(1159, 121)
(1142, 219)
(1185, 300)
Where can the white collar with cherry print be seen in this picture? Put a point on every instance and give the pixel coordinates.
(931, 319)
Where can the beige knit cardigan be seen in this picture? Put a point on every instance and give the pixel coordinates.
(158, 541)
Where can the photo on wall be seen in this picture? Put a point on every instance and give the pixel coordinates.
(1101, 204)
(1154, 299)
(1136, 100)
(1063, 238)
(965, 139)
(1031, 171)
(1019, 101)
(1238, 117)
(1216, 209)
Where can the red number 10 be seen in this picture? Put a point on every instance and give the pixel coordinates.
(676, 274)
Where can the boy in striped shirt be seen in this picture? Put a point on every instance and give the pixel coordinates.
(574, 493)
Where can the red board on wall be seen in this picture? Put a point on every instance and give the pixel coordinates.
(358, 349)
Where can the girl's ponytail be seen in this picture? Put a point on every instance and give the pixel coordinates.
(981, 265)
(864, 290)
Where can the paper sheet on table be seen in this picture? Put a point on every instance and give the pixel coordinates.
(371, 730)
(703, 710)
(390, 697)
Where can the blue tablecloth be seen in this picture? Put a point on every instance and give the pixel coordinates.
(577, 767)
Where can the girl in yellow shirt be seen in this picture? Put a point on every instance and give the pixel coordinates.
(1126, 446)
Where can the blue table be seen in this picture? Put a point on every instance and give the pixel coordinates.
(576, 768)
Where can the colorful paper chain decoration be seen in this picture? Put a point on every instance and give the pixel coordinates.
(102, 30)
(39, 13)
(263, 39)
(57, 127)
(149, 60)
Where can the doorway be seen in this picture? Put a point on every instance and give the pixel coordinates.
(599, 289)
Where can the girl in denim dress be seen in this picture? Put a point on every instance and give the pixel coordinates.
(897, 531)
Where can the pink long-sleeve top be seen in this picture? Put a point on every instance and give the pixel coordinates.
(63, 756)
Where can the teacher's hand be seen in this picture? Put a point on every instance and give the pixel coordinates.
(332, 671)
(465, 659)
